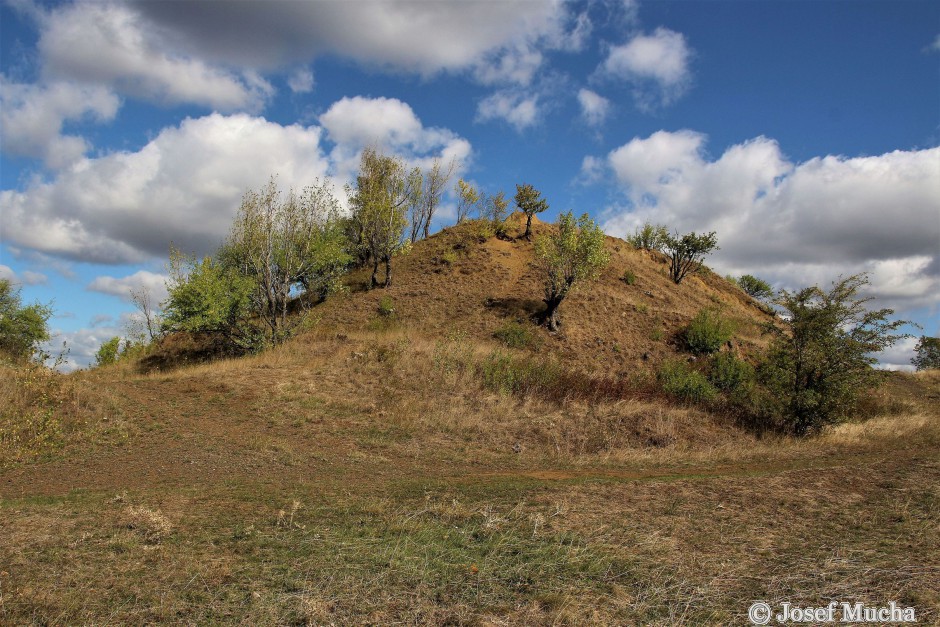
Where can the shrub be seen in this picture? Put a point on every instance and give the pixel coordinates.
(649, 237)
(628, 277)
(386, 307)
(682, 382)
(820, 366)
(730, 374)
(502, 373)
(517, 335)
(927, 353)
(707, 332)
(108, 353)
(754, 287)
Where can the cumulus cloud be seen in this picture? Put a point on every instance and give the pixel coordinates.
(182, 187)
(391, 125)
(657, 66)
(518, 108)
(594, 107)
(421, 37)
(794, 224)
(32, 116)
(109, 44)
(185, 185)
(151, 282)
(27, 277)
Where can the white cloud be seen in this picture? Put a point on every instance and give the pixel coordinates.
(27, 277)
(594, 107)
(110, 44)
(657, 65)
(592, 170)
(794, 224)
(301, 81)
(390, 124)
(185, 185)
(151, 282)
(31, 118)
(182, 187)
(520, 109)
(420, 37)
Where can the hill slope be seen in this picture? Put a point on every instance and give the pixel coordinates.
(454, 281)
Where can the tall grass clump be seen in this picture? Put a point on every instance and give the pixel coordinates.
(517, 335)
(684, 383)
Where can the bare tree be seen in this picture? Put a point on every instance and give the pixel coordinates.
(427, 191)
(150, 318)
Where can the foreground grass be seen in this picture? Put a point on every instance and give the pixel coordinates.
(321, 484)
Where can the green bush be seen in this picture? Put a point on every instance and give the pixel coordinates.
(754, 287)
(628, 277)
(386, 307)
(108, 353)
(707, 332)
(682, 382)
(927, 355)
(649, 237)
(517, 335)
(730, 374)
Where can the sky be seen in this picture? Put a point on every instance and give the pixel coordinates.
(805, 134)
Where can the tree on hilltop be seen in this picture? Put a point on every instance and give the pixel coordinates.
(529, 201)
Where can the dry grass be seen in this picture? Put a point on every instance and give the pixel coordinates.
(381, 476)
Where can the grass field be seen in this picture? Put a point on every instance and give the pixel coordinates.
(352, 478)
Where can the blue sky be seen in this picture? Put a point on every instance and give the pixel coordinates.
(805, 133)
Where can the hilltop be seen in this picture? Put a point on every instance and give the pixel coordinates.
(382, 467)
(458, 281)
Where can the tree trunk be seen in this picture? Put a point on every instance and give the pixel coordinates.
(551, 312)
(528, 228)
(388, 272)
(375, 272)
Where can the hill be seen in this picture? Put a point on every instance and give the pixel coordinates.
(458, 281)
(382, 469)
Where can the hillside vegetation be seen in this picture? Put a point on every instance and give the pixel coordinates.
(428, 454)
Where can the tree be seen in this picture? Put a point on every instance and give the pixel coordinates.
(379, 203)
(467, 198)
(822, 361)
(529, 201)
(928, 353)
(686, 253)
(108, 352)
(206, 296)
(22, 328)
(754, 287)
(283, 242)
(429, 189)
(150, 320)
(494, 207)
(572, 254)
(649, 237)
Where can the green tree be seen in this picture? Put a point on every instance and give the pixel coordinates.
(927, 353)
(686, 253)
(379, 205)
(283, 242)
(572, 254)
(754, 287)
(649, 237)
(467, 198)
(494, 207)
(822, 361)
(108, 352)
(22, 328)
(206, 296)
(529, 201)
